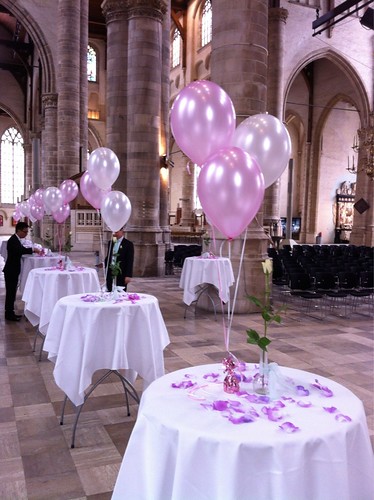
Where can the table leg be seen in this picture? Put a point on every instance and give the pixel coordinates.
(203, 290)
(127, 387)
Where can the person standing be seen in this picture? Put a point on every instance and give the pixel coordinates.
(121, 252)
(12, 268)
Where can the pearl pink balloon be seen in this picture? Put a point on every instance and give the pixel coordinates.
(103, 167)
(52, 198)
(202, 120)
(115, 210)
(38, 196)
(16, 215)
(24, 208)
(91, 192)
(69, 190)
(267, 140)
(37, 211)
(231, 189)
(61, 214)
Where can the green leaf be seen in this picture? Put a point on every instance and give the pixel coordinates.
(255, 300)
(266, 315)
(263, 343)
(277, 318)
(253, 337)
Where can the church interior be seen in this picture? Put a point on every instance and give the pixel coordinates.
(78, 76)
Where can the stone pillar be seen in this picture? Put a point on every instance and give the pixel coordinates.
(27, 147)
(187, 219)
(83, 86)
(116, 16)
(275, 98)
(239, 65)
(164, 135)
(68, 84)
(363, 224)
(49, 141)
(143, 137)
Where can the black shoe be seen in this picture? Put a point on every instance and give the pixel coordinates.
(12, 318)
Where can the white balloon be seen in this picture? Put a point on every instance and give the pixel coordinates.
(115, 210)
(52, 198)
(103, 167)
(267, 140)
(24, 208)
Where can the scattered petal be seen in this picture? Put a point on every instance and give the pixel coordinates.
(325, 390)
(301, 391)
(342, 418)
(221, 405)
(332, 409)
(304, 404)
(244, 419)
(289, 427)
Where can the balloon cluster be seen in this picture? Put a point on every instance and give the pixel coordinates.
(102, 170)
(236, 164)
(51, 201)
(96, 183)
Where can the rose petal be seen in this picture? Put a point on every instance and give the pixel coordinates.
(332, 409)
(288, 427)
(342, 418)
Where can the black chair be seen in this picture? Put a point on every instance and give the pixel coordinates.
(307, 300)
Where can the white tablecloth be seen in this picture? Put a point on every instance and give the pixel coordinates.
(29, 262)
(84, 337)
(197, 270)
(180, 449)
(3, 249)
(46, 285)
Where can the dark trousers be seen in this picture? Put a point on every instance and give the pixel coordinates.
(11, 282)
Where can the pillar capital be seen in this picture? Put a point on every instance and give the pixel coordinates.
(278, 14)
(115, 10)
(49, 100)
(155, 9)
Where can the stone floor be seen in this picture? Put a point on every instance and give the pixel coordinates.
(36, 461)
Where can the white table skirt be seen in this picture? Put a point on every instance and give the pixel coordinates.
(45, 286)
(198, 270)
(178, 449)
(84, 337)
(29, 262)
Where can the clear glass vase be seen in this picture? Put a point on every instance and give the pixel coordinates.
(115, 293)
(261, 379)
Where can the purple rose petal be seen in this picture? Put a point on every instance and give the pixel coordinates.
(271, 413)
(301, 391)
(244, 419)
(289, 427)
(213, 376)
(221, 405)
(325, 390)
(332, 409)
(185, 384)
(342, 418)
(304, 404)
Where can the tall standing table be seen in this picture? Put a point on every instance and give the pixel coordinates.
(193, 440)
(199, 274)
(92, 332)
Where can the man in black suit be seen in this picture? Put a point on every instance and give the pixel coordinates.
(12, 268)
(121, 250)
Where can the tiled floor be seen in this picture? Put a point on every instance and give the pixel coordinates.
(36, 461)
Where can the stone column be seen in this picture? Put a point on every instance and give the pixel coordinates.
(143, 137)
(239, 65)
(276, 40)
(164, 135)
(27, 147)
(363, 224)
(116, 16)
(187, 219)
(83, 86)
(49, 167)
(68, 84)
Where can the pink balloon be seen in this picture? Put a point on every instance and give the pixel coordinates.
(91, 192)
(69, 190)
(24, 208)
(115, 210)
(202, 120)
(38, 196)
(231, 189)
(267, 140)
(16, 215)
(37, 211)
(103, 167)
(61, 214)
(52, 198)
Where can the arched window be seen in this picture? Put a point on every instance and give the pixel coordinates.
(91, 64)
(206, 23)
(176, 49)
(12, 166)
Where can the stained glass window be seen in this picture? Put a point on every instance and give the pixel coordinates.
(12, 166)
(91, 64)
(206, 23)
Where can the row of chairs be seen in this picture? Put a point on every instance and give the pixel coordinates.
(176, 257)
(316, 287)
